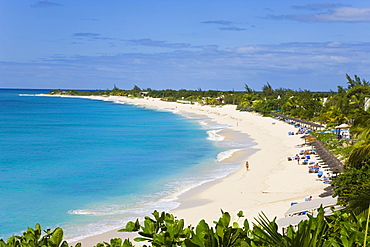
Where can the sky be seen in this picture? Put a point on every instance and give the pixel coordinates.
(183, 44)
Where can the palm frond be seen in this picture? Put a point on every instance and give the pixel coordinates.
(359, 153)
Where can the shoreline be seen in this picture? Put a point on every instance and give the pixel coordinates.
(270, 185)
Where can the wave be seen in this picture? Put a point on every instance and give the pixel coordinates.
(22, 94)
(227, 154)
(90, 212)
(210, 125)
(119, 102)
(214, 136)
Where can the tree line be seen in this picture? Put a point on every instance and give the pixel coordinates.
(330, 108)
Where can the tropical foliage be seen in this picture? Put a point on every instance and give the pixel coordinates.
(164, 229)
(361, 150)
(353, 186)
(36, 237)
(331, 108)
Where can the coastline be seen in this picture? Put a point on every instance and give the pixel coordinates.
(270, 185)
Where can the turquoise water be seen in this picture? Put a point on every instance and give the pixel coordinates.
(90, 166)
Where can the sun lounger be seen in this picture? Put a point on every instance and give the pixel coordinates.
(313, 170)
(323, 179)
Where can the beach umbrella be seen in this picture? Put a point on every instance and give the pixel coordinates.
(343, 126)
(327, 193)
(339, 127)
(310, 206)
(310, 138)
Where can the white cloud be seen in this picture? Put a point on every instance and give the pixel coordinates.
(334, 44)
(246, 49)
(344, 14)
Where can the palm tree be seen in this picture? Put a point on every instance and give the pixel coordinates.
(361, 149)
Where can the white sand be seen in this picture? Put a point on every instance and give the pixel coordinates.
(270, 185)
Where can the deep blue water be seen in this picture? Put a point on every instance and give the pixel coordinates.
(89, 166)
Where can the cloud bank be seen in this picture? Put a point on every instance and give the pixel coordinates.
(314, 66)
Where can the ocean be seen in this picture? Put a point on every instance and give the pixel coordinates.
(90, 166)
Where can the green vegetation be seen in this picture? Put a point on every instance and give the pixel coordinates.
(330, 108)
(36, 237)
(339, 229)
(166, 230)
(211, 97)
(353, 186)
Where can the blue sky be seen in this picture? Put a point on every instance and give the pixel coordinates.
(183, 44)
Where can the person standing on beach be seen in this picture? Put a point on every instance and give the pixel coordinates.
(247, 165)
(297, 158)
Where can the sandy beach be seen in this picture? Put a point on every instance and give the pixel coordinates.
(270, 184)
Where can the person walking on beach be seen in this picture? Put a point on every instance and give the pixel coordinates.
(297, 158)
(247, 165)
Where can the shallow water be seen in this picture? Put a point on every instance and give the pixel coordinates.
(84, 164)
